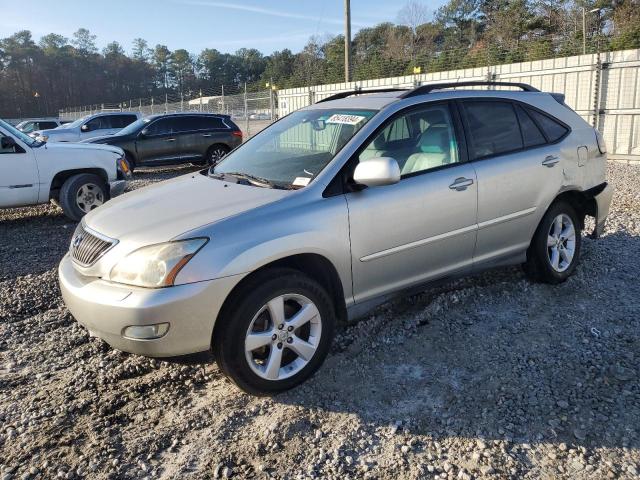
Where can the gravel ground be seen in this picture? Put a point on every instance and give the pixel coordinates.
(487, 377)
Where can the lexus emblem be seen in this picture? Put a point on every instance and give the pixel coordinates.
(77, 240)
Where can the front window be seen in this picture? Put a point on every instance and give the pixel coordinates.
(18, 134)
(78, 122)
(134, 127)
(291, 152)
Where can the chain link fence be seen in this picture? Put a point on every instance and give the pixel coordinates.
(251, 111)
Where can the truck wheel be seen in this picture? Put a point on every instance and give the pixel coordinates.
(275, 332)
(555, 249)
(82, 193)
(216, 153)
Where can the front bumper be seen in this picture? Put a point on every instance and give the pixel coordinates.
(117, 187)
(603, 204)
(106, 309)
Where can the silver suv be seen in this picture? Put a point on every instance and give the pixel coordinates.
(329, 212)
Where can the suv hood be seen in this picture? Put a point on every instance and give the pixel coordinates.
(54, 131)
(85, 147)
(161, 212)
(105, 138)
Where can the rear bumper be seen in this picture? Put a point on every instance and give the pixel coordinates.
(106, 309)
(603, 204)
(117, 187)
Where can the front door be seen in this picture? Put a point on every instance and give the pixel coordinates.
(423, 227)
(160, 142)
(18, 175)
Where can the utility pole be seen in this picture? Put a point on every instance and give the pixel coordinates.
(347, 40)
(584, 31)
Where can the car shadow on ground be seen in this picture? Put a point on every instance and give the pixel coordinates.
(497, 357)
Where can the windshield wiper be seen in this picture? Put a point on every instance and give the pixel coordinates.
(252, 179)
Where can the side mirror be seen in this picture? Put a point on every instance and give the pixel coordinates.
(144, 132)
(376, 172)
(85, 128)
(7, 142)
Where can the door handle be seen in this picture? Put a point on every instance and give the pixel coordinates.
(171, 140)
(206, 135)
(461, 184)
(550, 161)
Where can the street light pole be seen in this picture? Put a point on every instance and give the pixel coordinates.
(347, 40)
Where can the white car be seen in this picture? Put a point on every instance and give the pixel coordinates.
(96, 125)
(79, 178)
(35, 124)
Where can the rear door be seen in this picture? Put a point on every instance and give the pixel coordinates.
(159, 144)
(519, 169)
(206, 131)
(18, 175)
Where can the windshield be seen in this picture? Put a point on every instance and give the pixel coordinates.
(18, 134)
(294, 150)
(76, 123)
(134, 127)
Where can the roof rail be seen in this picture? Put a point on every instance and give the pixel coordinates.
(360, 91)
(423, 89)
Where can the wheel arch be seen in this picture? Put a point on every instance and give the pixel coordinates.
(314, 265)
(583, 202)
(62, 176)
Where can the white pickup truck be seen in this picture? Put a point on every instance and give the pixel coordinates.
(77, 177)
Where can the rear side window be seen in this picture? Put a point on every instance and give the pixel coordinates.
(493, 128)
(551, 128)
(47, 125)
(531, 134)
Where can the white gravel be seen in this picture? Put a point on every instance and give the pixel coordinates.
(487, 377)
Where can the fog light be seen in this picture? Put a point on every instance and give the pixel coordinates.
(146, 332)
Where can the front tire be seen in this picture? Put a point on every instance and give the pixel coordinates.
(82, 193)
(554, 252)
(274, 332)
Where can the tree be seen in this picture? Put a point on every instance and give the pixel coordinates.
(413, 15)
(141, 50)
(161, 60)
(84, 41)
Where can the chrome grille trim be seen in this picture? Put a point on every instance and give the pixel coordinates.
(87, 246)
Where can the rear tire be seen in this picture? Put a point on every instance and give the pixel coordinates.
(554, 252)
(82, 193)
(257, 348)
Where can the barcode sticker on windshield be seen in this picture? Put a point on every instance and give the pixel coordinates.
(301, 181)
(346, 119)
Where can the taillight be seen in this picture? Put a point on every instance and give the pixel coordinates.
(602, 146)
(237, 133)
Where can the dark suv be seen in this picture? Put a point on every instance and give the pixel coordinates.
(176, 138)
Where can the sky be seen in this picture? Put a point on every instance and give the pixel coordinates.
(198, 24)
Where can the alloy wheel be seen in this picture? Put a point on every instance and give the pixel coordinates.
(216, 155)
(283, 337)
(561, 243)
(89, 197)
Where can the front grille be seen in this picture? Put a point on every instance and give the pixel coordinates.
(87, 246)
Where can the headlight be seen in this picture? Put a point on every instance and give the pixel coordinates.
(43, 138)
(156, 265)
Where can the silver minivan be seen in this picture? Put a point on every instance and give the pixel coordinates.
(330, 211)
